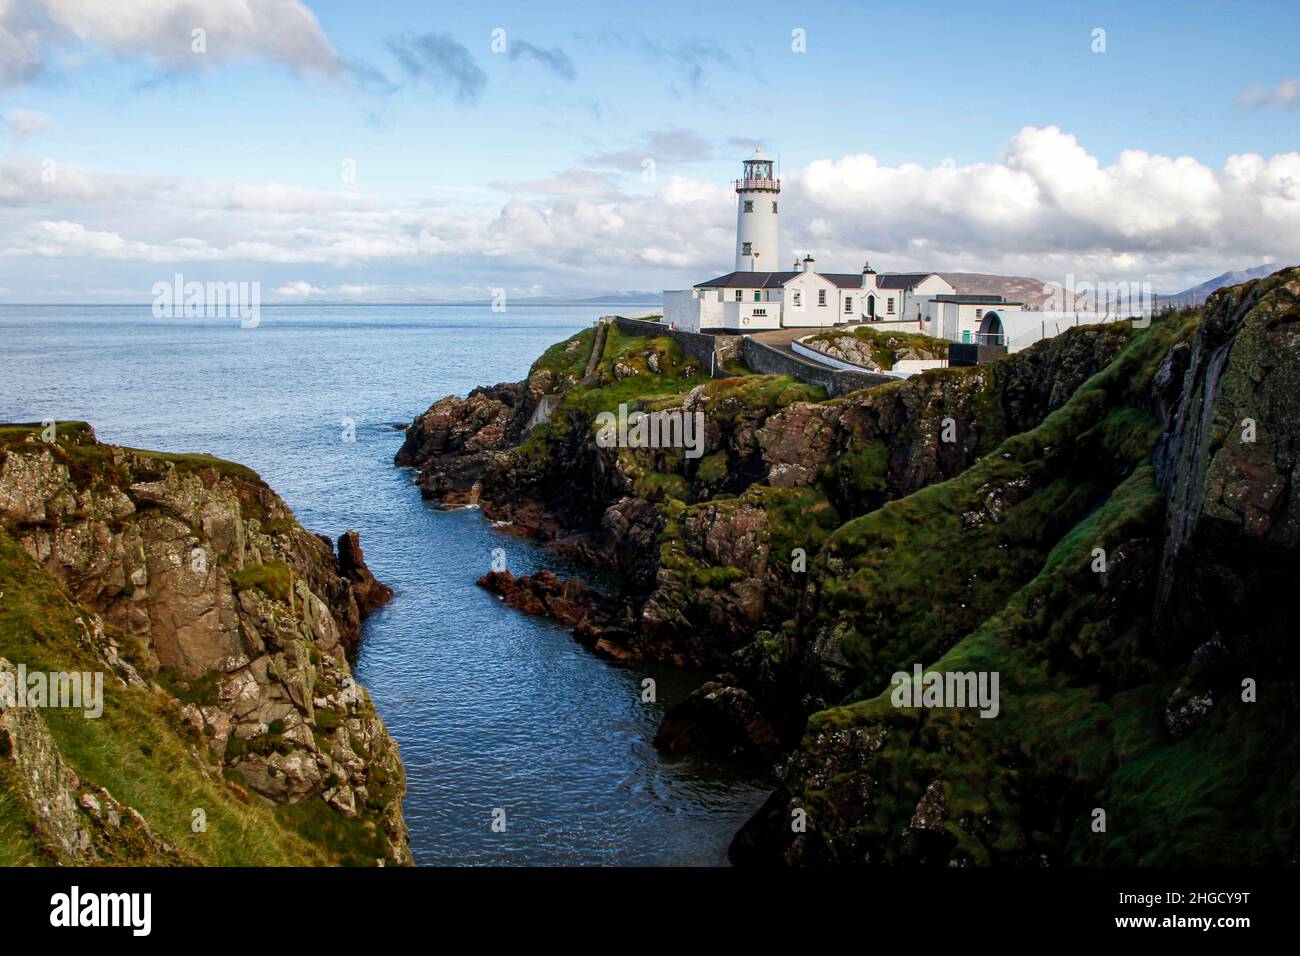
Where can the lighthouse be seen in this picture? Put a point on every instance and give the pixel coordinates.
(757, 235)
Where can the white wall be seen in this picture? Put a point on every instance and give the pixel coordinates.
(1025, 328)
(808, 314)
(912, 366)
(752, 316)
(948, 320)
(761, 230)
(933, 285)
(906, 301)
(682, 309)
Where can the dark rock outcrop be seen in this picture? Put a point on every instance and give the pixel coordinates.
(721, 720)
(1230, 465)
(818, 546)
(370, 594)
(1175, 648)
(229, 606)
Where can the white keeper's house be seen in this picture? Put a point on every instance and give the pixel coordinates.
(751, 299)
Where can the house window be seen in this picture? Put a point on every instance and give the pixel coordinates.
(889, 305)
(798, 299)
(746, 248)
(979, 313)
(848, 305)
(740, 296)
(749, 205)
(760, 312)
(821, 296)
(773, 205)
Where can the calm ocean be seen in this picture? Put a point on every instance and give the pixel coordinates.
(492, 709)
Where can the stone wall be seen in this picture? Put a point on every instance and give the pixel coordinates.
(769, 361)
(711, 350)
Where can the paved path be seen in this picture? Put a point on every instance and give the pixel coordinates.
(780, 340)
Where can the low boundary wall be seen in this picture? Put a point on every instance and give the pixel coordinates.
(711, 350)
(769, 361)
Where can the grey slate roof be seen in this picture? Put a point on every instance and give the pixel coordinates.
(901, 280)
(975, 299)
(748, 280)
(842, 280)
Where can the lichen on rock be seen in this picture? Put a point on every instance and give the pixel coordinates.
(201, 585)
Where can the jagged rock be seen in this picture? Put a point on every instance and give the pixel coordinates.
(721, 720)
(226, 597)
(370, 594)
(1184, 713)
(1234, 497)
(930, 813)
(568, 601)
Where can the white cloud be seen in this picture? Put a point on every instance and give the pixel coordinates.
(1048, 204)
(24, 123)
(298, 289)
(1044, 207)
(161, 32)
(1285, 96)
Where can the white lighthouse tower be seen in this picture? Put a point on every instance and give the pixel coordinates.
(757, 234)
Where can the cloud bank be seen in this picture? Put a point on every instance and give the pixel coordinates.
(161, 32)
(1045, 207)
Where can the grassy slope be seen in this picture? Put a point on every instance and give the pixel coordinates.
(1083, 703)
(678, 374)
(139, 749)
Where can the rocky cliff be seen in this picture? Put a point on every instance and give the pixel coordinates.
(1105, 521)
(232, 728)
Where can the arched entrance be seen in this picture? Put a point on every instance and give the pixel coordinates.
(991, 330)
(871, 308)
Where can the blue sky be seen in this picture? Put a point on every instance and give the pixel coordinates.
(954, 136)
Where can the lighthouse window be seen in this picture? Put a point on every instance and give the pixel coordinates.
(773, 205)
(746, 248)
(749, 205)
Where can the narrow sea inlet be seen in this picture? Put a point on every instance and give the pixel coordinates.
(492, 710)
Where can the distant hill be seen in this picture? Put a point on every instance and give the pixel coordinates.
(616, 298)
(1197, 294)
(1014, 288)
